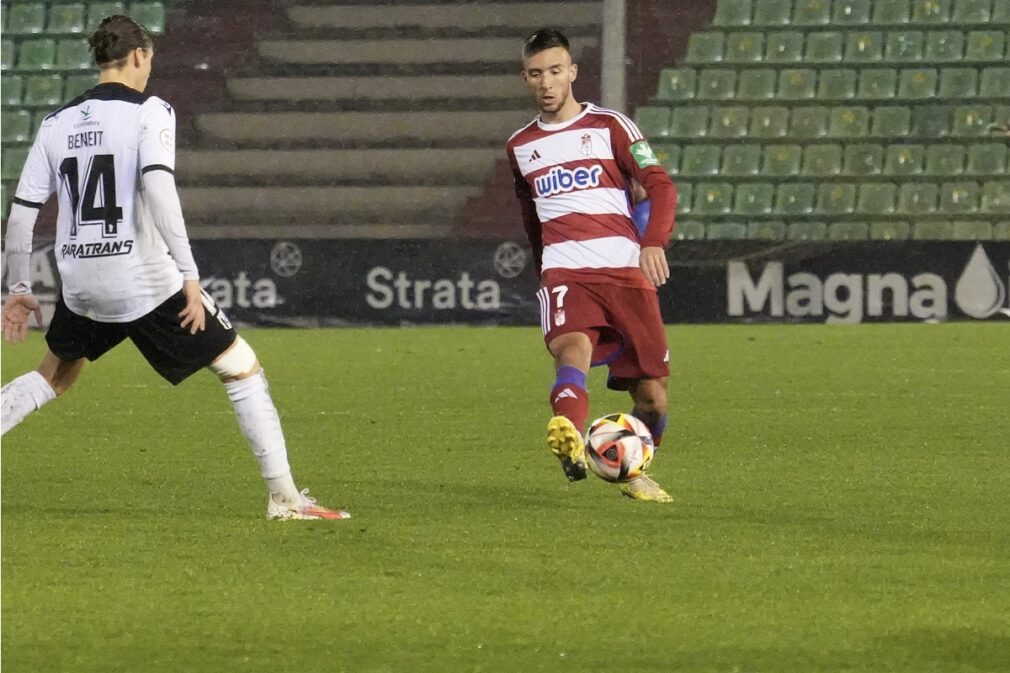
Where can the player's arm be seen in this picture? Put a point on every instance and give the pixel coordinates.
(531, 222)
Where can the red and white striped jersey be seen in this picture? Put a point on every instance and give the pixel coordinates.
(574, 179)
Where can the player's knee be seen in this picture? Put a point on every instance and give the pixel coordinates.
(238, 362)
(63, 376)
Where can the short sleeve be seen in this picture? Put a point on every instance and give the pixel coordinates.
(37, 180)
(157, 136)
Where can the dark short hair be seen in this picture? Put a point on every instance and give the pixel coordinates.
(544, 39)
(115, 38)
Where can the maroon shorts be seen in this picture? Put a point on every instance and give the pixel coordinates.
(623, 323)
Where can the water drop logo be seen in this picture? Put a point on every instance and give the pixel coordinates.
(980, 292)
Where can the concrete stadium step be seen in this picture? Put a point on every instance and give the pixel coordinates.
(420, 166)
(455, 128)
(465, 16)
(376, 88)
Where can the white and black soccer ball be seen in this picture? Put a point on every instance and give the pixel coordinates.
(619, 447)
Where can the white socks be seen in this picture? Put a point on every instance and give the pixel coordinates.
(258, 419)
(22, 396)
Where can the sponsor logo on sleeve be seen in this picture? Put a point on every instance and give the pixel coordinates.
(643, 154)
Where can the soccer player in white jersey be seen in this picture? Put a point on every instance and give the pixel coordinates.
(124, 259)
(575, 166)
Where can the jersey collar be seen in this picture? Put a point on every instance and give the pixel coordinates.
(563, 125)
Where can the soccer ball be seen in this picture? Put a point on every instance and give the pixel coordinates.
(619, 447)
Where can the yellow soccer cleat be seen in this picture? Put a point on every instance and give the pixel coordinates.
(565, 441)
(644, 488)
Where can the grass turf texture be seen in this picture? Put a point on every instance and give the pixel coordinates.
(841, 504)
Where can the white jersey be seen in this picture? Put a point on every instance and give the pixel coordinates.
(114, 264)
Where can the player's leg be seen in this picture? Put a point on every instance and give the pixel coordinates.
(649, 398)
(569, 399)
(30, 391)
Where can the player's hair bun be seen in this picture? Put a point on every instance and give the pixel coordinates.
(116, 37)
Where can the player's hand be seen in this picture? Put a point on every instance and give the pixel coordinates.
(15, 316)
(193, 316)
(654, 265)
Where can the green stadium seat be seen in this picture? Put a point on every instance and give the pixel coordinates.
(972, 230)
(824, 47)
(10, 90)
(43, 91)
(904, 46)
(971, 120)
(877, 198)
(944, 160)
(849, 122)
(784, 47)
(733, 13)
(995, 83)
(713, 198)
(848, 231)
(931, 121)
(891, 121)
(677, 84)
(6, 54)
(877, 83)
(972, 11)
(689, 122)
(741, 160)
(808, 231)
(769, 122)
(16, 127)
(889, 231)
(730, 231)
(772, 13)
(689, 230)
(37, 118)
(917, 83)
(150, 14)
(100, 10)
(67, 18)
(669, 157)
(959, 197)
(13, 160)
(717, 84)
(705, 47)
(987, 159)
(73, 54)
(958, 82)
(863, 160)
(808, 122)
(996, 197)
(794, 199)
(932, 231)
(730, 122)
(26, 18)
(1001, 114)
(756, 84)
(1001, 13)
(930, 11)
(78, 84)
(744, 47)
(1001, 231)
(684, 200)
(782, 160)
(812, 13)
(768, 230)
(985, 45)
(904, 160)
(700, 160)
(754, 198)
(836, 84)
(851, 12)
(653, 122)
(836, 199)
(36, 54)
(797, 84)
(890, 12)
(945, 45)
(917, 198)
(864, 47)
(822, 160)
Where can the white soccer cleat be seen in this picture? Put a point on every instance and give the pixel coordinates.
(304, 509)
(644, 488)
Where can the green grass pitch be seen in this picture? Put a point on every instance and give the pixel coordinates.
(842, 503)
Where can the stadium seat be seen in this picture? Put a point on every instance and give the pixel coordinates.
(769, 122)
(945, 45)
(6, 54)
(849, 122)
(150, 14)
(16, 127)
(26, 18)
(754, 198)
(904, 160)
(971, 120)
(891, 121)
(836, 84)
(943, 160)
(876, 198)
(996, 197)
(863, 160)
(985, 45)
(713, 198)
(784, 47)
(972, 230)
(705, 47)
(733, 13)
(836, 199)
(971, 11)
(931, 121)
(677, 84)
(824, 47)
(730, 122)
(756, 85)
(848, 231)
(653, 122)
(864, 47)
(1001, 12)
(684, 200)
(995, 83)
(43, 91)
(959, 197)
(689, 122)
(808, 231)
(932, 231)
(917, 198)
(741, 160)
(987, 159)
(669, 157)
(36, 54)
(100, 10)
(877, 83)
(744, 47)
(958, 82)
(889, 231)
(794, 199)
(917, 83)
(851, 12)
(808, 122)
(717, 84)
(77, 84)
(73, 54)
(797, 84)
(890, 11)
(782, 160)
(1001, 231)
(726, 231)
(812, 13)
(930, 11)
(689, 230)
(10, 90)
(772, 13)
(904, 46)
(13, 159)
(67, 18)
(821, 160)
(700, 160)
(768, 230)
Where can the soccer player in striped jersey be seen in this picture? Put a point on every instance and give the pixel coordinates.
(575, 166)
(125, 263)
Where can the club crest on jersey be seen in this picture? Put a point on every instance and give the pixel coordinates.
(587, 144)
(560, 180)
